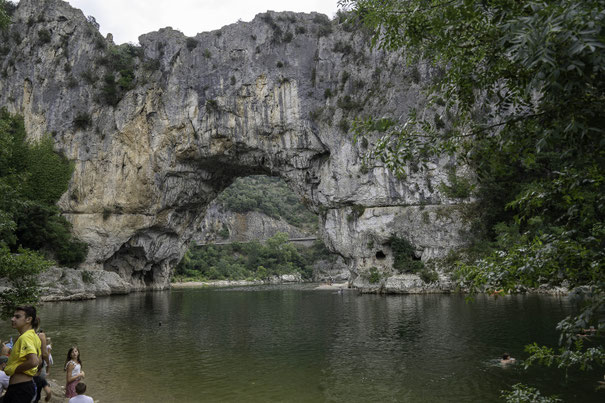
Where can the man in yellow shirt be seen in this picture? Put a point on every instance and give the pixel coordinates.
(25, 357)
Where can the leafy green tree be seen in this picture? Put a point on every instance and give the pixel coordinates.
(49, 172)
(523, 85)
(32, 179)
(20, 269)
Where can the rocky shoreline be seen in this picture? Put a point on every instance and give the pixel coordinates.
(283, 279)
(64, 284)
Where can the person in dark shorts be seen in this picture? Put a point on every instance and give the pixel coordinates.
(40, 385)
(25, 357)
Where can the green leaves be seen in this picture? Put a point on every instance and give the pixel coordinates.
(32, 179)
(252, 260)
(20, 270)
(270, 196)
(49, 172)
(404, 260)
(525, 84)
(4, 17)
(525, 394)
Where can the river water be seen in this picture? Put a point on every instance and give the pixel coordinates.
(297, 344)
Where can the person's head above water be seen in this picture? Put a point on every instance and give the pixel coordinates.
(506, 356)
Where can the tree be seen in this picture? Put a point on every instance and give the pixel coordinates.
(32, 230)
(20, 269)
(524, 85)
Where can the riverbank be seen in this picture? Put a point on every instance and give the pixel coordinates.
(244, 283)
(215, 283)
(64, 284)
(283, 279)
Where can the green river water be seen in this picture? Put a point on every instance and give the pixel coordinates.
(297, 344)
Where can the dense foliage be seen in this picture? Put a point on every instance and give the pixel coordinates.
(521, 85)
(32, 178)
(404, 260)
(20, 269)
(252, 260)
(270, 196)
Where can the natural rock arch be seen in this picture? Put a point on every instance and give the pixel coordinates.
(247, 99)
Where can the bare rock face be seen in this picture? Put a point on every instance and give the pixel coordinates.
(222, 225)
(59, 284)
(274, 96)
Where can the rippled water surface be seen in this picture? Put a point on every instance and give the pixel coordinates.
(297, 344)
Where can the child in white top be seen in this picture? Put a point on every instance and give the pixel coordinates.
(73, 367)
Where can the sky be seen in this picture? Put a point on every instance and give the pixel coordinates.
(127, 19)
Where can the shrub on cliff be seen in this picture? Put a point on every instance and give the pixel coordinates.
(6, 9)
(121, 62)
(404, 259)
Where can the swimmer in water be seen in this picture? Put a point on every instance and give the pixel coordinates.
(507, 359)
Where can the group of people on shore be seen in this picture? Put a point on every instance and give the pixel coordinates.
(25, 364)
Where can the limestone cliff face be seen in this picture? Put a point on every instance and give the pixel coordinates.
(273, 96)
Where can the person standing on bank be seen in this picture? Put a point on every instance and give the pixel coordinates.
(3, 377)
(44, 367)
(25, 356)
(73, 367)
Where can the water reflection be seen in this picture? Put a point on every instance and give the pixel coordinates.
(296, 344)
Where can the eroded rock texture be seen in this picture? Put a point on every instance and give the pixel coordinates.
(274, 96)
(222, 225)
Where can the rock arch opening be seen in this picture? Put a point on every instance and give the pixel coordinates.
(257, 229)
